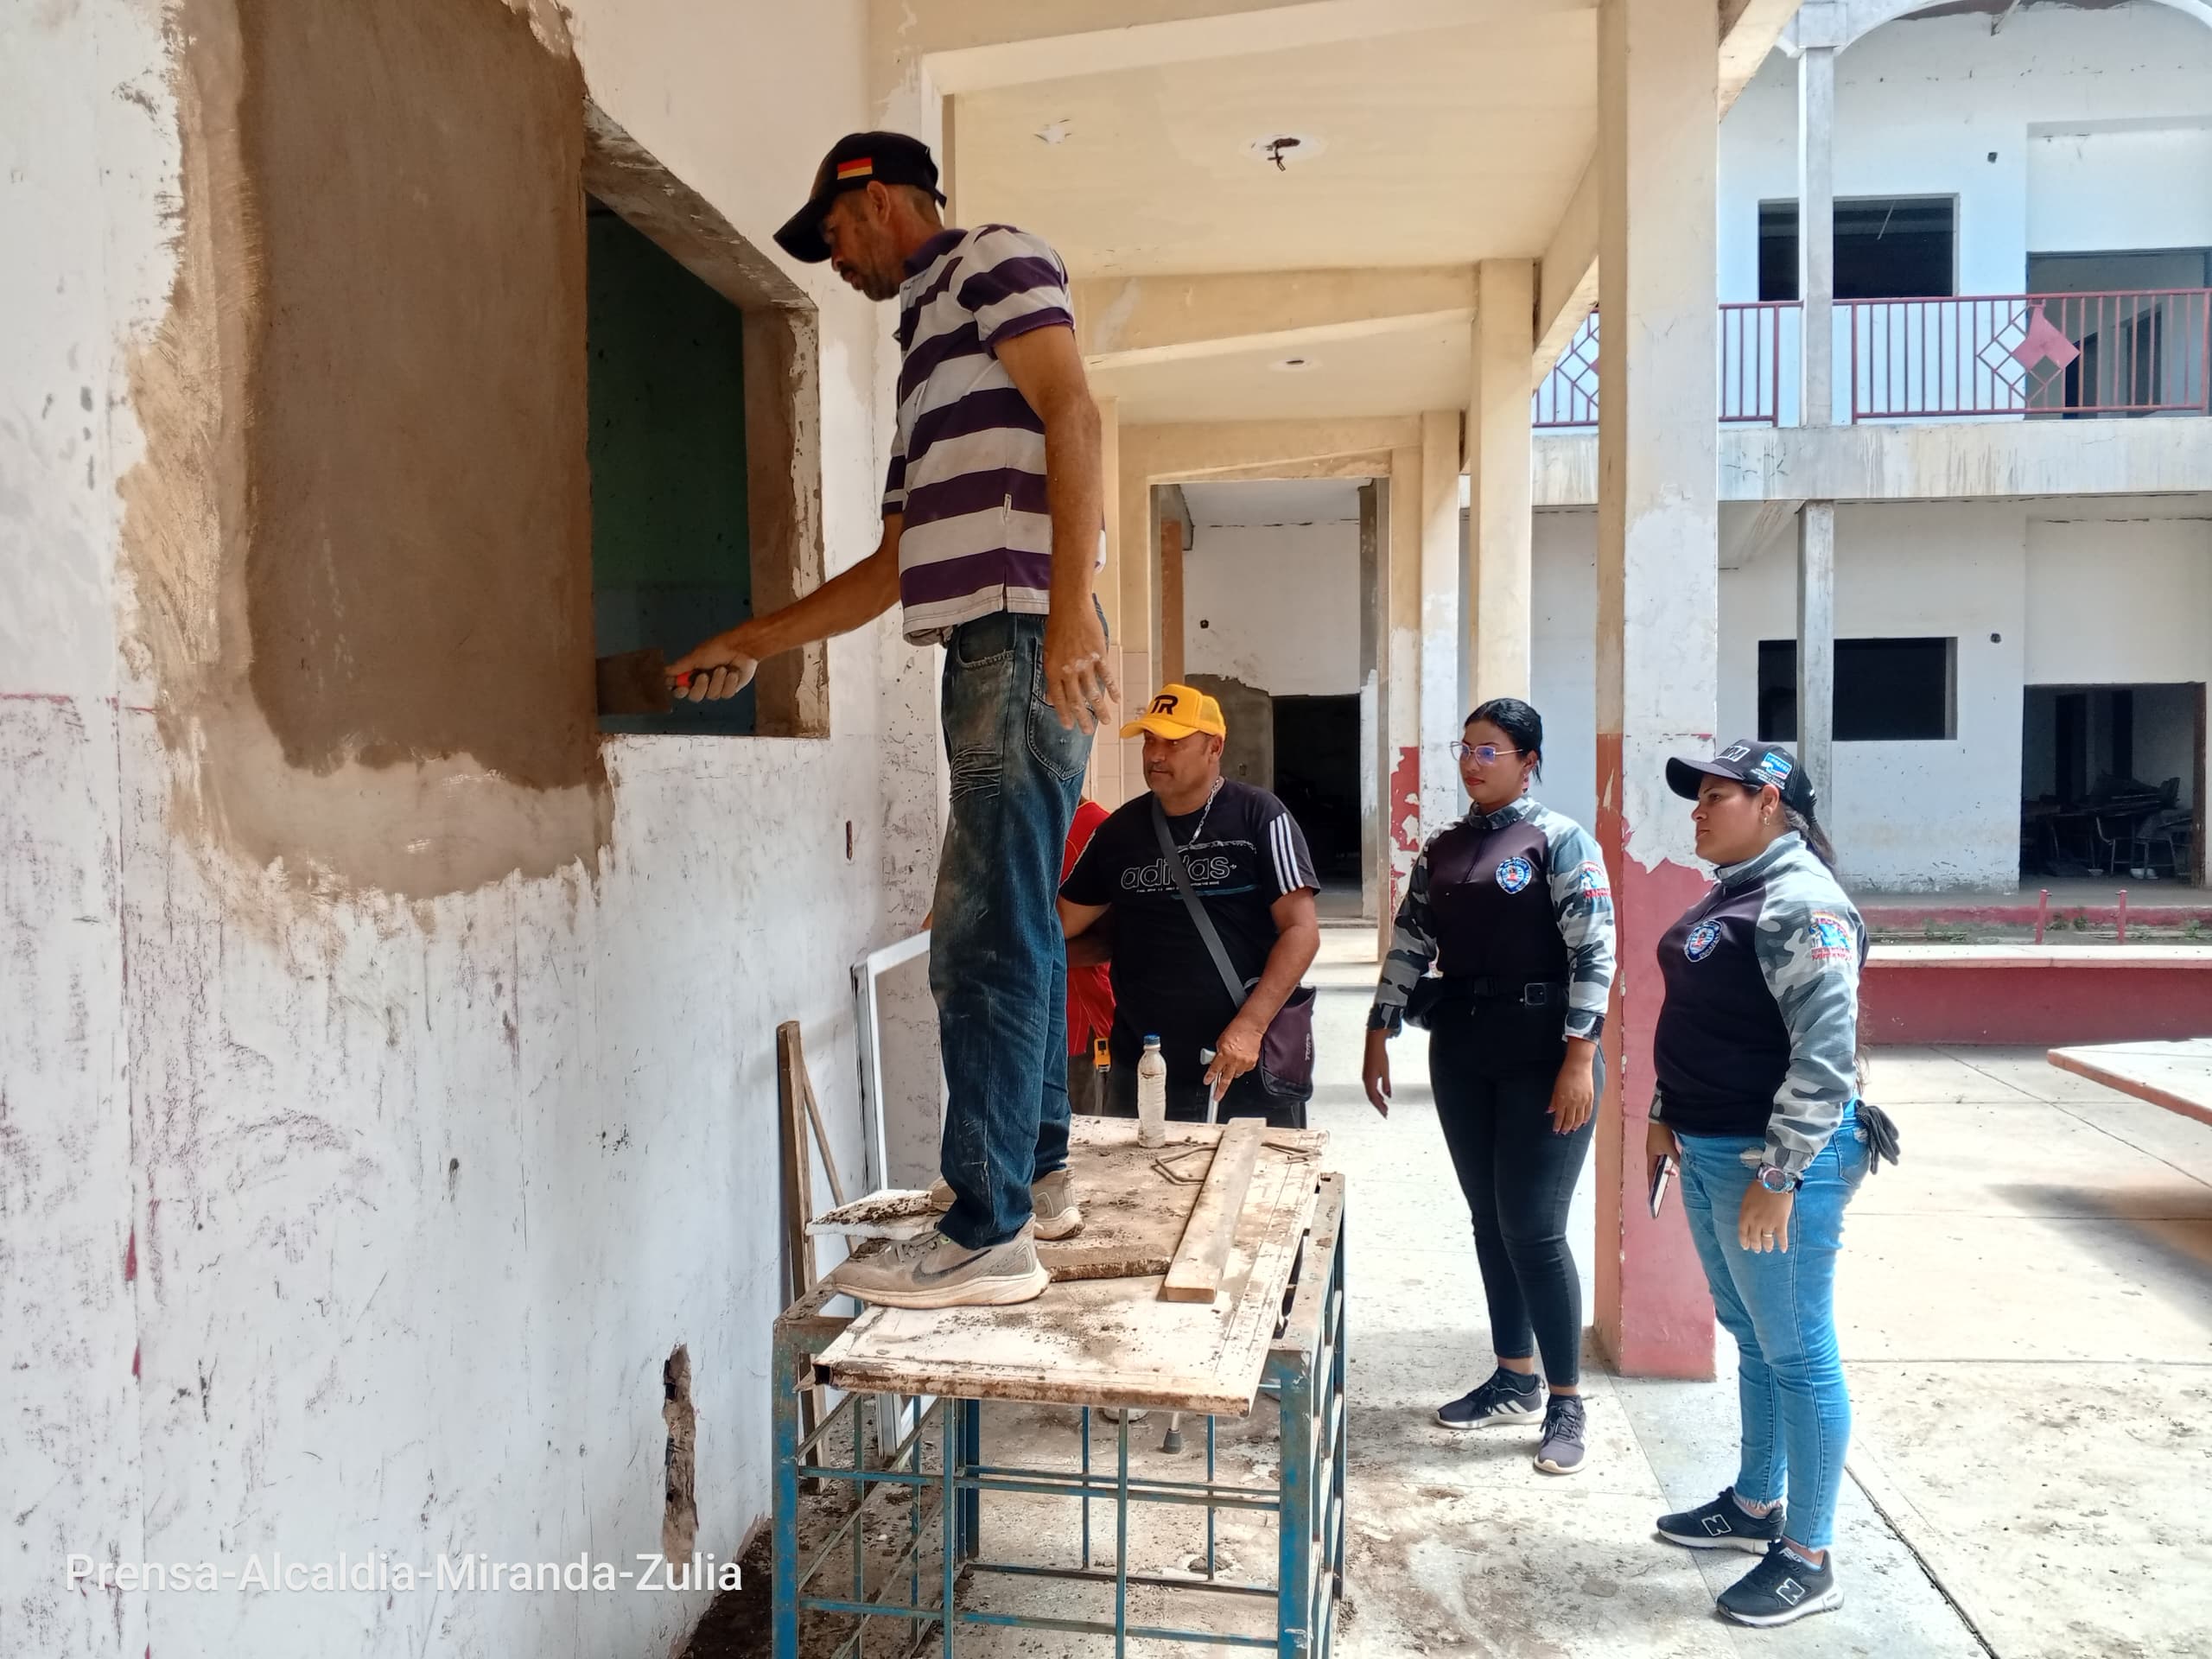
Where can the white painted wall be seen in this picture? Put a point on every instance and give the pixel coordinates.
(345, 1224)
(2115, 601)
(2089, 600)
(1271, 587)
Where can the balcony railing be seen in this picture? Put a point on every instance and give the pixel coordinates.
(2063, 355)
(2019, 356)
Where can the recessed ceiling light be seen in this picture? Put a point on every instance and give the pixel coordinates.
(1283, 150)
(1293, 364)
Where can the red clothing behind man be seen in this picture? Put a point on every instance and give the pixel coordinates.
(1090, 990)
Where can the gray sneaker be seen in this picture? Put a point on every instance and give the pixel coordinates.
(932, 1271)
(1052, 1203)
(1561, 1451)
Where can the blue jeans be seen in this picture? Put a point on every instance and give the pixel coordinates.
(1780, 1307)
(998, 966)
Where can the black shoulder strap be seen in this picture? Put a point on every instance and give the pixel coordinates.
(1174, 856)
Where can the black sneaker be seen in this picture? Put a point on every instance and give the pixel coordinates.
(1561, 1451)
(1507, 1397)
(1723, 1524)
(1782, 1589)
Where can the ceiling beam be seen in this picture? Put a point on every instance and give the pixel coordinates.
(1128, 322)
(1190, 449)
(971, 45)
(1566, 279)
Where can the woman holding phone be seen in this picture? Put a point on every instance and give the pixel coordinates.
(1757, 1098)
(1512, 905)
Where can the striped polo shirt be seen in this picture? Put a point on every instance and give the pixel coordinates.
(968, 465)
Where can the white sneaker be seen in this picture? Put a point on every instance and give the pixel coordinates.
(1053, 1211)
(933, 1271)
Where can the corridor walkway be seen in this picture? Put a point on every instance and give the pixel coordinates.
(2026, 1304)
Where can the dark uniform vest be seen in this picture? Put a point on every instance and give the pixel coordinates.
(1490, 896)
(1722, 1050)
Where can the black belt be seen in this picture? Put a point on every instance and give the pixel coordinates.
(1529, 994)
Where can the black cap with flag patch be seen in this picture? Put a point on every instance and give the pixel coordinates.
(1754, 765)
(857, 160)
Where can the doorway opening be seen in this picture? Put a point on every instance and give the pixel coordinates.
(1317, 766)
(2112, 781)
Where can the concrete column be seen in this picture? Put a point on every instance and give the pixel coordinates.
(1816, 226)
(1105, 779)
(1816, 644)
(1400, 693)
(1374, 597)
(1440, 713)
(1658, 597)
(1171, 600)
(1501, 521)
(1138, 620)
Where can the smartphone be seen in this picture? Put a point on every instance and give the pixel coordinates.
(1659, 1177)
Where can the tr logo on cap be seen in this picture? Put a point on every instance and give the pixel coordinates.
(1164, 703)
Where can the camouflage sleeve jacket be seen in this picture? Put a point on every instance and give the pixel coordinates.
(1518, 896)
(1758, 1036)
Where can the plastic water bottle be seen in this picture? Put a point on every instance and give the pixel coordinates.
(1152, 1097)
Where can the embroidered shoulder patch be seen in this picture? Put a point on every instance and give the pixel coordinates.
(1590, 878)
(1832, 938)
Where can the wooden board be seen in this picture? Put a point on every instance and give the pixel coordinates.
(2176, 1076)
(1133, 1217)
(1110, 1341)
(1195, 1273)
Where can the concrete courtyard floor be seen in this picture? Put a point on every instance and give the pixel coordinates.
(2025, 1305)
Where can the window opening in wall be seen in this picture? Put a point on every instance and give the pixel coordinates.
(1886, 690)
(671, 556)
(1886, 248)
(2112, 780)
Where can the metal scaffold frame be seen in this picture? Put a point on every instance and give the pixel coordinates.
(1304, 1373)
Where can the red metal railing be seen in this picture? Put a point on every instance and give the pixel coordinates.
(2050, 355)
(1755, 339)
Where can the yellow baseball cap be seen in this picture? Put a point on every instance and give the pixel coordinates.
(1179, 711)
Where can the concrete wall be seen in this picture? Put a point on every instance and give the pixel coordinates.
(2021, 126)
(2079, 599)
(1271, 589)
(335, 1220)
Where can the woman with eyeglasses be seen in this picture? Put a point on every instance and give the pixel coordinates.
(1756, 1062)
(1512, 907)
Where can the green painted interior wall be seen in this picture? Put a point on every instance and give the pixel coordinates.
(671, 558)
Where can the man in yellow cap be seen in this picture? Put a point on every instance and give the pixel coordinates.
(1197, 856)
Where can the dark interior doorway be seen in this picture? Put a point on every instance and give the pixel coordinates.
(1317, 777)
(2112, 781)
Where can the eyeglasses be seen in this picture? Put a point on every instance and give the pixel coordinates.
(1487, 753)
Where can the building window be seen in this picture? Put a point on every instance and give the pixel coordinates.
(705, 439)
(671, 552)
(1886, 248)
(1886, 690)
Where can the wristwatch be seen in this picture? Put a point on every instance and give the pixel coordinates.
(1775, 1179)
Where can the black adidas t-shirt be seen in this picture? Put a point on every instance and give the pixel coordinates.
(1249, 853)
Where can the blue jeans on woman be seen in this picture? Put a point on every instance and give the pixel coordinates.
(1780, 1306)
(998, 965)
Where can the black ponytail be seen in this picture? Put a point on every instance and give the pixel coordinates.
(1815, 838)
(1518, 722)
